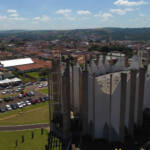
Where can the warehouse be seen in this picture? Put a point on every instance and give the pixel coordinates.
(16, 62)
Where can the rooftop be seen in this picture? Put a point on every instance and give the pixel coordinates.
(16, 62)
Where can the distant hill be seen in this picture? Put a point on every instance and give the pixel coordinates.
(135, 34)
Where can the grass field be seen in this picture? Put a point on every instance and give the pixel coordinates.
(8, 140)
(34, 75)
(44, 91)
(25, 79)
(38, 113)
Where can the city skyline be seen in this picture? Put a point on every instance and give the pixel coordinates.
(65, 14)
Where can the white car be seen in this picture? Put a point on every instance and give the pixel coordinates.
(20, 105)
(8, 107)
(41, 85)
(23, 103)
(28, 103)
(45, 85)
(4, 92)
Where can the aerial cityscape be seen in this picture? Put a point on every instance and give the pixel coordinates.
(75, 75)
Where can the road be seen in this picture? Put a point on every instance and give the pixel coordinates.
(23, 127)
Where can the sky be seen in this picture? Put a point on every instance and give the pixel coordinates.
(73, 14)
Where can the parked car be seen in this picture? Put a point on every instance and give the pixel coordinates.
(11, 98)
(28, 84)
(18, 89)
(6, 99)
(33, 101)
(4, 92)
(46, 98)
(42, 99)
(38, 101)
(1, 100)
(32, 93)
(23, 103)
(38, 82)
(14, 106)
(1, 88)
(20, 96)
(19, 104)
(11, 91)
(45, 85)
(28, 94)
(2, 109)
(24, 94)
(8, 107)
(41, 85)
(9, 87)
(28, 103)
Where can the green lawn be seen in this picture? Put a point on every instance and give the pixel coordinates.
(34, 75)
(44, 91)
(8, 140)
(25, 79)
(33, 114)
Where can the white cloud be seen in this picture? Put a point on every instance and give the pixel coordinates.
(141, 15)
(3, 17)
(11, 11)
(14, 15)
(121, 11)
(104, 16)
(16, 19)
(129, 3)
(37, 18)
(83, 12)
(43, 18)
(63, 11)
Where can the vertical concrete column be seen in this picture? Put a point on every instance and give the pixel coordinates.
(110, 109)
(85, 102)
(94, 106)
(66, 102)
(122, 105)
(80, 90)
(72, 88)
(141, 97)
(132, 102)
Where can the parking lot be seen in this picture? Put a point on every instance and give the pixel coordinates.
(22, 95)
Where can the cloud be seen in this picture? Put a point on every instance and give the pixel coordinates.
(121, 11)
(83, 12)
(141, 15)
(129, 3)
(104, 16)
(17, 19)
(3, 17)
(43, 18)
(63, 11)
(11, 11)
(14, 15)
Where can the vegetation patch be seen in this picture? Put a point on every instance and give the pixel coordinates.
(34, 75)
(37, 113)
(8, 140)
(44, 91)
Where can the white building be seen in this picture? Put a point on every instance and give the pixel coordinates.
(16, 62)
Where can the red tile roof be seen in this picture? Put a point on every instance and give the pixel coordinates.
(38, 64)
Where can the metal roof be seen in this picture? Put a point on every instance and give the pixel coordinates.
(6, 81)
(16, 62)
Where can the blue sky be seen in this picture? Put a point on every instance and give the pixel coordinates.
(73, 14)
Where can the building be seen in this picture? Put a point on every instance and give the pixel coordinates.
(108, 100)
(16, 62)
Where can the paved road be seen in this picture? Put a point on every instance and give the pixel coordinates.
(23, 127)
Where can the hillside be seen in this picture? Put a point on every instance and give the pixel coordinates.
(138, 34)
